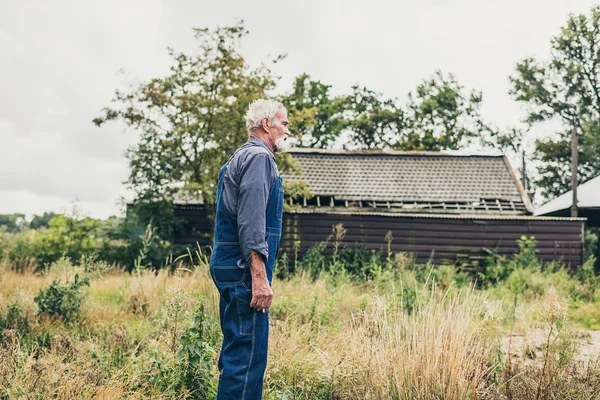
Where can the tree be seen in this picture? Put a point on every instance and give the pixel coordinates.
(13, 222)
(438, 116)
(41, 221)
(441, 116)
(192, 120)
(566, 87)
(317, 117)
(375, 122)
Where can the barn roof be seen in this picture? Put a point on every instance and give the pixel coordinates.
(588, 196)
(430, 182)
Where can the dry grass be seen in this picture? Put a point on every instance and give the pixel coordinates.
(328, 341)
(441, 350)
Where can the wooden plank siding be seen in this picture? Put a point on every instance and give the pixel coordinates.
(447, 238)
(443, 239)
(196, 226)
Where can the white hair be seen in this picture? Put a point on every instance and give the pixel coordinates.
(261, 109)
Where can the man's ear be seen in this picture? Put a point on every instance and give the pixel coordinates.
(265, 124)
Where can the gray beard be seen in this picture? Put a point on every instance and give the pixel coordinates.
(282, 145)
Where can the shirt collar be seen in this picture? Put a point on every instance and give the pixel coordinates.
(258, 142)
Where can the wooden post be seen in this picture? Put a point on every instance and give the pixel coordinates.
(524, 173)
(574, 143)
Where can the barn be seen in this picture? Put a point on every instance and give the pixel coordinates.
(439, 207)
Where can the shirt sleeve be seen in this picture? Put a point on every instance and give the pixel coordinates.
(256, 178)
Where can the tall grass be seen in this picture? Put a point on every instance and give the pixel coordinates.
(391, 337)
(442, 349)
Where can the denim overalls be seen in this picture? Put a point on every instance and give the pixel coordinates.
(243, 357)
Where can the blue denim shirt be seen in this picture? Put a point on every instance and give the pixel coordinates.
(246, 186)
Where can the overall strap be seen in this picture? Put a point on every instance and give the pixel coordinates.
(244, 146)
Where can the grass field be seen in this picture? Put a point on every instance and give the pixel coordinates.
(420, 333)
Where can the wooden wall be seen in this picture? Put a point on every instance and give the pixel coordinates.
(447, 239)
(444, 239)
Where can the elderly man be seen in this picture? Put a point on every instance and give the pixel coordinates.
(247, 232)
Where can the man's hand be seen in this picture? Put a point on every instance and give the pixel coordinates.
(262, 294)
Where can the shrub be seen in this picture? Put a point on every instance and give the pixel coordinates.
(62, 300)
(590, 244)
(498, 268)
(190, 370)
(196, 356)
(15, 316)
(314, 260)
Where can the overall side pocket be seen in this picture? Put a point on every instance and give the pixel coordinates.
(246, 314)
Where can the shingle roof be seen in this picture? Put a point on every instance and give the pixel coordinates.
(419, 180)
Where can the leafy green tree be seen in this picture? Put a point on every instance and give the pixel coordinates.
(375, 122)
(191, 120)
(316, 117)
(68, 237)
(561, 89)
(41, 221)
(13, 222)
(440, 115)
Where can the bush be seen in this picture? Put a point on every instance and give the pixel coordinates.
(62, 300)
(498, 268)
(190, 370)
(15, 317)
(590, 244)
(359, 261)
(314, 260)
(196, 356)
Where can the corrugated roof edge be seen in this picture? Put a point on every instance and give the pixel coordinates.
(442, 216)
(297, 150)
(520, 188)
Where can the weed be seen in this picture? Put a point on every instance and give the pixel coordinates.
(62, 300)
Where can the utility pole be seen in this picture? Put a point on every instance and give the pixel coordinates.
(524, 172)
(574, 143)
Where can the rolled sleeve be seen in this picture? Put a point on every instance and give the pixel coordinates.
(256, 178)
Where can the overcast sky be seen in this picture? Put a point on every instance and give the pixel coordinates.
(61, 61)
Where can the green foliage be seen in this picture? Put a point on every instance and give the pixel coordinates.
(588, 278)
(94, 268)
(555, 154)
(62, 299)
(564, 87)
(15, 317)
(498, 268)
(375, 122)
(197, 356)
(13, 222)
(314, 260)
(191, 371)
(97, 243)
(591, 245)
(41, 221)
(295, 190)
(69, 237)
(147, 239)
(65, 236)
(317, 117)
(439, 115)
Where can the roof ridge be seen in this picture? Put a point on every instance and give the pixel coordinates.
(327, 152)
